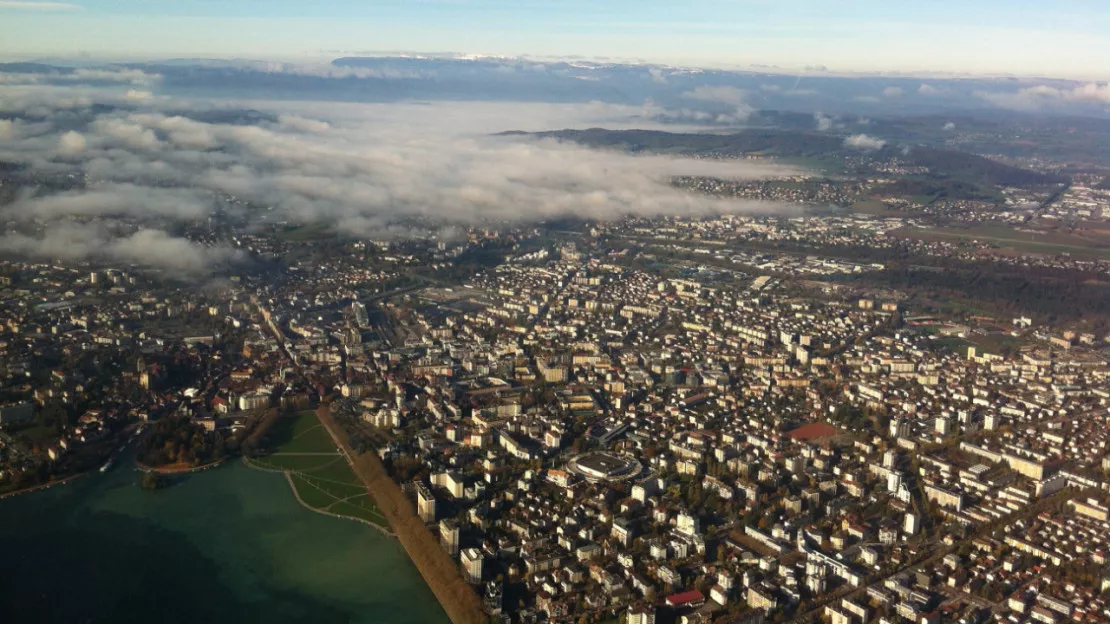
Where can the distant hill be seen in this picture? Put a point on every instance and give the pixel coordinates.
(794, 144)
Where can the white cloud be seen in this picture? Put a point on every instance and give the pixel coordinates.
(863, 142)
(327, 70)
(78, 76)
(138, 96)
(148, 248)
(1091, 92)
(892, 92)
(824, 122)
(303, 124)
(371, 171)
(71, 143)
(1044, 96)
(127, 134)
(132, 76)
(950, 126)
(7, 130)
(731, 96)
(141, 202)
(926, 89)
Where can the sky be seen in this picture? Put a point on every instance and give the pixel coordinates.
(1065, 38)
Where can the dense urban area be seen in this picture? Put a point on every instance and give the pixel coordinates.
(888, 404)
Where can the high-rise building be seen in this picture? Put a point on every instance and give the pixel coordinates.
(449, 536)
(362, 319)
(912, 524)
(425, 503)
(943, 425)
(472, 564)
(641, 614)
(899, 428)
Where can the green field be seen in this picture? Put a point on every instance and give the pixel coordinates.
(305, 233)
(1007, 238)
(300, 446)
(296, 463)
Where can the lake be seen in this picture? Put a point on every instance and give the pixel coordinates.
(225, 545)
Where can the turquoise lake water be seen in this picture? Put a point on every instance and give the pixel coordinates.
(226, 545)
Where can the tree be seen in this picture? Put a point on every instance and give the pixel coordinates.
(151, 481)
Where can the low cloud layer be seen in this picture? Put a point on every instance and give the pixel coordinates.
(1042, 97)
(147, 248)
(735, 99)
(367, 170)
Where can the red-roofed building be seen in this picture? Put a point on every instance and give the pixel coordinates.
(813, 431)
(692, 598)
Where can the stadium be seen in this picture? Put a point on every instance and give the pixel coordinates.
(604, 466)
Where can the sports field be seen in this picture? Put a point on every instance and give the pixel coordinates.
(301, 447)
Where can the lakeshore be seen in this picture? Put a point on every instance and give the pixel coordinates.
(232, 536)
(318, 471)
(440, 572)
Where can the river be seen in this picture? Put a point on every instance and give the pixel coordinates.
(225, 545)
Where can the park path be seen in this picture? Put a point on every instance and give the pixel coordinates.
(293, 486)
(297, 495)
(318, 454)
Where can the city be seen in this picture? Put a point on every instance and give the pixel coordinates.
(590, 428)
(712, 313)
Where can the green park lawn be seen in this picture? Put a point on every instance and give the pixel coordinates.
(300, 446)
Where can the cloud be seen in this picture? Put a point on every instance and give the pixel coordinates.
(114, 200)
(370, 170)
(863, 142)
(127, 134)
(7, 130)
(657, 75)
(39, 6)
(1090, 92)
(178, 130)
(148, 248)
(138, 96)
(132, 76)
(1043, 96)
(731, 96)
(892, 92)
(83, 75)
(950, 126)
(158, 249)
(71, 143)
(327, 70)
(304, 124)
(824, 122)
(926, 89)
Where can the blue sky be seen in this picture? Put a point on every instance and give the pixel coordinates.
(1066, 38)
